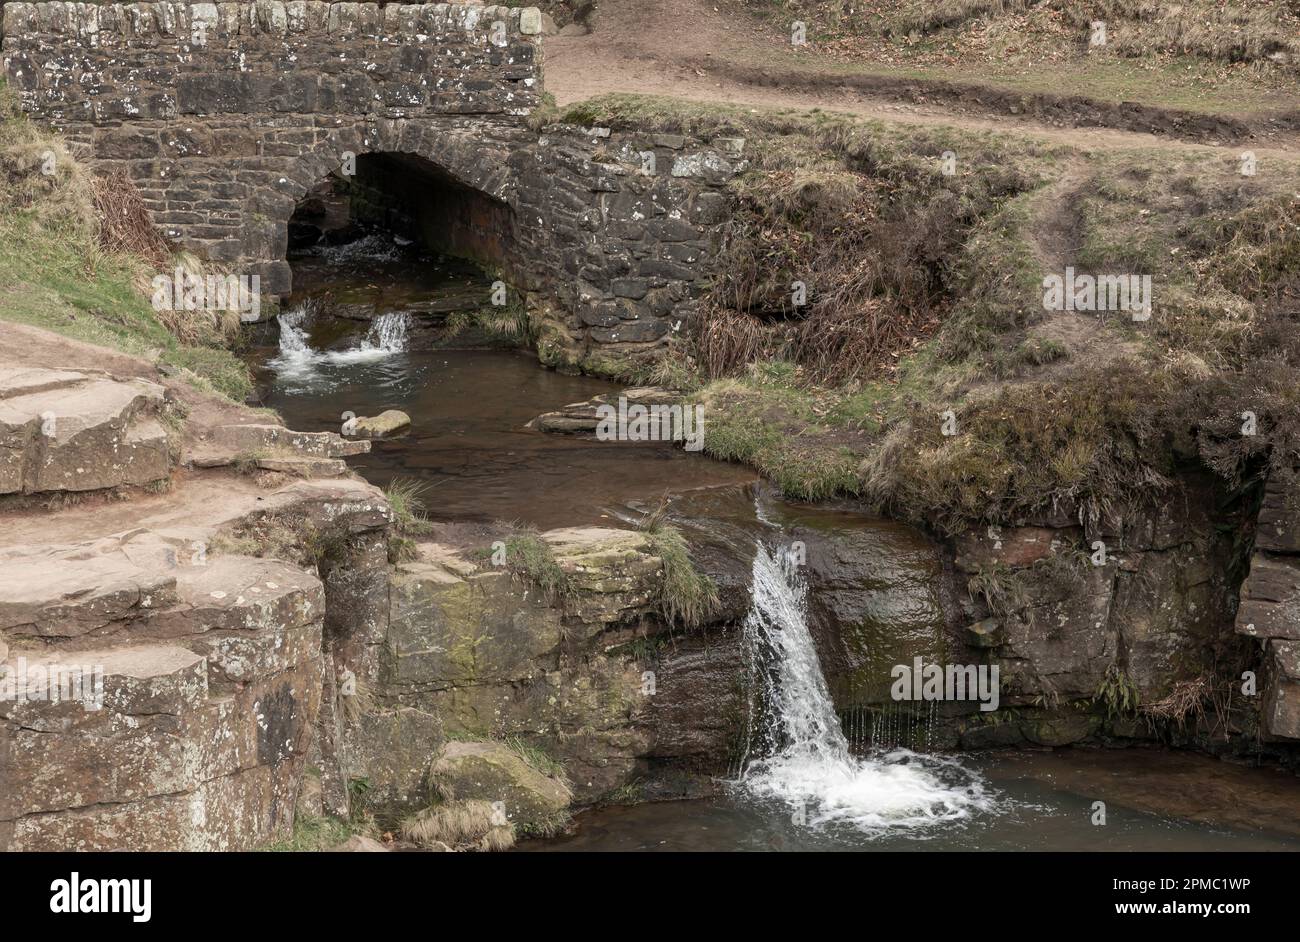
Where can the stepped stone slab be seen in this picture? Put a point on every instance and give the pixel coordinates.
(1282, 696)
(62, 431)
(305, 467)
(65, 592)
(239, 593)
(24, 380)
(223, 444)
(1270, 599)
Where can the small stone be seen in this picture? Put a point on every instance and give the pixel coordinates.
(530, 21)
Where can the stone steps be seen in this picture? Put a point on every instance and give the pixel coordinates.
(64, 430)
(181, 724)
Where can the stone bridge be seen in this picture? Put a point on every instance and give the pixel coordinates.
(226, 115)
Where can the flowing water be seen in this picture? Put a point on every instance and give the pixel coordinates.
(809, 778)
(804, 762)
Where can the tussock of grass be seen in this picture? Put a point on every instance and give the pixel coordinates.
(1117, 693)
(406, 499)
(686, 595)
(507, 326)
(531, 559)
(459, 825)
(315, 833)
(538, 758)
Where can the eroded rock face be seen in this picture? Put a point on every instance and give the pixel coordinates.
(194, 742)
(593, 679)
(491, 655)
(1068, 612)
(159, 693)
(1270, 610)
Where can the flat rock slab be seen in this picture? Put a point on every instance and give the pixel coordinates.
(68, 431)
(65, 592)
(585, 416)
(153, 585)
(240, 593)
(224, 444)
(1270, 598)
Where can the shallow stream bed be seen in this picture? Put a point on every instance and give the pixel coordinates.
(468, 443)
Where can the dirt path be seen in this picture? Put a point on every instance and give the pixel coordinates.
(696, 51)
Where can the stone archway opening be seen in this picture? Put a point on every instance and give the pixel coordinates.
(392, 233)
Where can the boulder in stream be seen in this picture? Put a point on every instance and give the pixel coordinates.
(386, 423)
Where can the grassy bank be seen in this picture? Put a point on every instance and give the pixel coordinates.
(74, 259)
(925, 372)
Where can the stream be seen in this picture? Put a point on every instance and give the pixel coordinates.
(805, 782)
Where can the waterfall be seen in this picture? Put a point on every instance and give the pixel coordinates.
(297, 358)
(804, 761)
(388, 333)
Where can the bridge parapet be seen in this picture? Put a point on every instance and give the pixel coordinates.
(109, 63)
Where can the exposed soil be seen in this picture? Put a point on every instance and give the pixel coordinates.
(696, 51)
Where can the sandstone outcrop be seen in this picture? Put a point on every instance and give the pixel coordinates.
(72, 430)
(1270, 610)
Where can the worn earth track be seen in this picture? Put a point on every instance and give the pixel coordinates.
(695, 51)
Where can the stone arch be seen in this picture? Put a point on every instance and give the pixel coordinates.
(474, 156)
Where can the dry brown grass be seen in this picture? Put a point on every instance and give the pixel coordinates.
(459, 825)
(41, 177)
(1183, 704)
(727, 340)
(124, 224)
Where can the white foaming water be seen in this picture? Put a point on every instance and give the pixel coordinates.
(810, 768)
(371, 248)
(298, 359)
